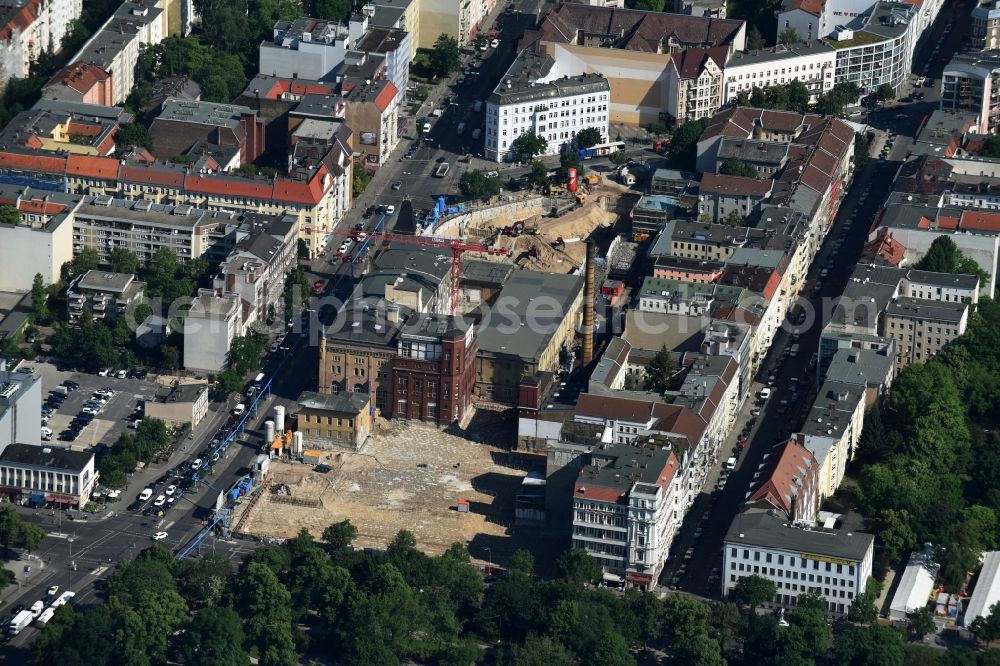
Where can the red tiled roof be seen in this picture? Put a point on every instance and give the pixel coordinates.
(146, 176)
(980, 221)
(237, 187)
(667, 475)
(814, 7)
(386, 96)
(282, 86)
(599, 493)
(885, 247)
(42, 163)
(691, 62)
(21, 20)
(947, 222)
(793, 468)
(80, 76)
(679, 419)
(105, 168)
(41, 206)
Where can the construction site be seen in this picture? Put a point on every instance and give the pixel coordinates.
(444, 488)
(543, 232)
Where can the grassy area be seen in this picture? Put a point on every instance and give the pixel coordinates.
(859, 39)
(420, 67)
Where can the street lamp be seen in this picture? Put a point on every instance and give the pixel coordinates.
(69, 569)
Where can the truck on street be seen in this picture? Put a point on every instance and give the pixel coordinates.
(442, 170)
(20, 622)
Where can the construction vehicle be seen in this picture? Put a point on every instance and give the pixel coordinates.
(559, 244)
(581, 198)
(442, 170)
(552, 188)
(513, 230)
(591, 179)
(661, 145)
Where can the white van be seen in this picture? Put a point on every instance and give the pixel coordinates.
(145, 494)
(765, 393)
(731, 464)
(239, 409)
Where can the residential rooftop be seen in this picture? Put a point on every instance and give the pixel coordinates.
(44, 457)
(524, 81)
(340, 403)
(918, 308)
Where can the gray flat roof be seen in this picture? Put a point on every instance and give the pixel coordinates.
(830, 413)
(105, 281)
(203, 113)
(181, 393)
(343, 403)
(524, 287)
(481, 273)
(777, 53)
(518, 84)
(863, 367)
(762, 529)
(918, 308)
(46, 457)
(943, 279)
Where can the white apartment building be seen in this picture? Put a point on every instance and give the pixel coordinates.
(627, 508)
(116, 47)
(20, 408)
(526, 100)
(812, 63)
(29, 28)
(832, 430)
(835, 564)
(985, 26)
(305, 48)
(209, 328)
(971, 82)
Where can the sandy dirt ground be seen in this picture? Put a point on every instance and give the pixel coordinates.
(408, 476)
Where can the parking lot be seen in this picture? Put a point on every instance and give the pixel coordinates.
(112, 419)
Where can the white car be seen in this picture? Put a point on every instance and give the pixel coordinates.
(495, 43)
(160, 500)
(170, 490)
(196, 463)
(390, 210)
(105, 372)
(159, 536)
(114, 494)
(90, 410)
(274, 347)
(122, 374)
(46, 433)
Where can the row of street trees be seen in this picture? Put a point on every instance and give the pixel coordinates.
(151, 438)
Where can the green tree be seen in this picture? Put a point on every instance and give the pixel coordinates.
(296, 294)
(359, 181)
(214, 638)
(228, 381)
(446, 57)
(39, 299)
(687, 631)
(684, 143)
(529, 144)
(578, 567)
(263, 603)
(885, 92)
(477, 184)
(991, 146)
(123, 260)
(753, 591)
(660, 371)
(735, 167)
(742, 98)
(10, 215)
(541, 651)
(170, 357)
(943, 256)
(331, 10)
(649, 5)
(340, 535)
(755, 39)
(589, 136)
(733, 219)
(868, 646)
(87, 260)
(619, 158)
(302, 248)
(788, 36)
(862, 610)
(569, 159)
(798, 96)
(539, 174)
(133, 134)
(202, 581)
(921, 623)
(986, 628)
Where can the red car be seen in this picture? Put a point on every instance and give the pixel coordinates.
(317, 286)
(743, 441)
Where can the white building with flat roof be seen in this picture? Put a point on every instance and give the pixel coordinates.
(987, 591)
(835, 564)
(209, 328)
(812, 63)
(47, 475)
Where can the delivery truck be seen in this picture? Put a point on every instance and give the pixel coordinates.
(20, 622)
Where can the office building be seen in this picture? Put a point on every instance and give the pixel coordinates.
(970, 83)
(20, 408)
(40, 475)
(832, 563)
(179, 404)
(305, 48)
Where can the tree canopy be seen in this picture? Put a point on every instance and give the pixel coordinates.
(475, 183)
(734, 167)
(660, 371)
(445, 57)
(588, 136)
(943, 256)
(529, 144)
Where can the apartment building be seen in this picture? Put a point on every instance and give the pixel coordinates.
(372, 111)
(30, 28)
(676, 297)
(209, 328)
(721, 196)
(704, 242)
(985, 32)
(627, 508)
(305, 48)
(970, 82)
(264, 252)
(923, 328)
(687, 270)
(179, 404)
(42, 243)
(42, 475)
(458, 19)
(117, 46)
(528, 99)
(833, 563)
(20, 408)
(81, 82)
(394, 45)
(832, 430)
(60, 130)
(634, 50)
(340, 420)
(695, 83)
(402, 15)
(812, 62)
(106, 295)
(788, 483)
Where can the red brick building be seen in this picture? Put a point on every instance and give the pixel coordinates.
(434, 370)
